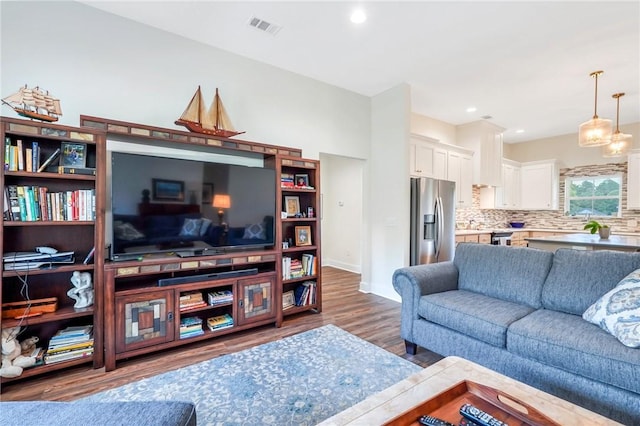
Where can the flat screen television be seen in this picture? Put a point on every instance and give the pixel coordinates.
(188, 206)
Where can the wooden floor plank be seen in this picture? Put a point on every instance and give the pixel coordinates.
(370, 317)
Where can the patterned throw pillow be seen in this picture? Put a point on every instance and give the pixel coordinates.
(205, 225)
(618, 311)
(126, 231)
(255, 231)
(191, 227)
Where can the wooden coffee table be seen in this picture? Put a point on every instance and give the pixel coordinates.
(433, 380)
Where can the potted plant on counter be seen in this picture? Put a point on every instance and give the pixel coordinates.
(594, 226)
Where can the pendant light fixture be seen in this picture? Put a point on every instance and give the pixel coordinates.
(620, 142)
(597, 131)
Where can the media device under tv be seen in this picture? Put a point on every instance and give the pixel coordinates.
(207, 277)
(183, 219)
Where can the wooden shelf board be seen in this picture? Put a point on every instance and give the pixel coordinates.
(55, 270)
(46, 368)
(59, 315)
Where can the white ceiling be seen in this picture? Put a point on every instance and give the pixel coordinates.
(526, 64)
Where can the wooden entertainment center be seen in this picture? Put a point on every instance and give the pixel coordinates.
(141, 304)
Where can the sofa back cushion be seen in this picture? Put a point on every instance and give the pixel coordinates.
(514, 274)
(579, 277)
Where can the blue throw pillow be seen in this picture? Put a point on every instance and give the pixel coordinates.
(191, 228)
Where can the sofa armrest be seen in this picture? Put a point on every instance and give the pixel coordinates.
(413, 282)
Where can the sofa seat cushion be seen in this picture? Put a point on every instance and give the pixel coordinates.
(572, 344)
(81, 413)
(578, 278)
(481, 317)
(514, 274)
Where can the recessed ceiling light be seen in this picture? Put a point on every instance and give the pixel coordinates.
(472, 109)
(358, 16)
(520, 131)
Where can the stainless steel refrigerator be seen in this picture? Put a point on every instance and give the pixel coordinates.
(433, 220)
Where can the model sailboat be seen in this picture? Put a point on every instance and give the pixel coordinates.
(213, 121)
(34, 103)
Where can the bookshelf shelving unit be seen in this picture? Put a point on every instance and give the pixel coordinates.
(300, 234)
(69, 235)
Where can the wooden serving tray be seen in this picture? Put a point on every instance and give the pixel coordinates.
(38, 306)
(446, 406)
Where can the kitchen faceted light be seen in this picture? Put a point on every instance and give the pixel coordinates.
(597, 131)
(620, 142)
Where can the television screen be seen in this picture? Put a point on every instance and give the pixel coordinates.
(161, 204)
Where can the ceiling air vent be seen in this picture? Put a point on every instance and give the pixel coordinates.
(262, 25)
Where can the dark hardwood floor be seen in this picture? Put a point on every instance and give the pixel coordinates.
(370, 317)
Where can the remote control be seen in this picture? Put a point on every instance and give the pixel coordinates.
(480, 417)
(433, 421)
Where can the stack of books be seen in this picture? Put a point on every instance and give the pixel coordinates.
(191, 300)
(220, 297)
(219, 322)
(69, 344)
(292, 268)
(305, 293)
(286, 180)
(190, 327)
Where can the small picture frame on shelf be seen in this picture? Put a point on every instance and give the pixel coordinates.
(303, 235)
(73, 154)
(288, 299)
(292, 205)
(302, 181)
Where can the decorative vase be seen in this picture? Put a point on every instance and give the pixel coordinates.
(604, 232)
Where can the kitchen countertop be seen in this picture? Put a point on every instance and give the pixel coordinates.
(593, 240)
(566, 231)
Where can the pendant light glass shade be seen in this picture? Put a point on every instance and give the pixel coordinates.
(597, 131)
(620, 142)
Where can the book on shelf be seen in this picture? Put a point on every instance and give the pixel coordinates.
(220, 321)
(90, 171)
(28, 158)
(69, 356)
(7, 153)
(219, 297)
(20, 155)
(190, 327)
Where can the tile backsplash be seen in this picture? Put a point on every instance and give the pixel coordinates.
(554, 219)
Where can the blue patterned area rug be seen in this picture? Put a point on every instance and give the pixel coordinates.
(300, 380)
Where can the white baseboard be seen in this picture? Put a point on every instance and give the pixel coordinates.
(356, 269)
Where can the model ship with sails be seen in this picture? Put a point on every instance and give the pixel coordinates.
(214, 121)
(34, 103)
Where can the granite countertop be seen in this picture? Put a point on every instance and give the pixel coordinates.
(626, 241)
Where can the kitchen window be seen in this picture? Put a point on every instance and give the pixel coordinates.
(593, 196)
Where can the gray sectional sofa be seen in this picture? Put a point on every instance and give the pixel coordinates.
(519, 311)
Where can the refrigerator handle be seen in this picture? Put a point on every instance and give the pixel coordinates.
(439, 226)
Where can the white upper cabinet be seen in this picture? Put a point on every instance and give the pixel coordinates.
(485, 140)
(460, 171)
(507, 195)
(633, 181)
(539, 182)
(422, 157)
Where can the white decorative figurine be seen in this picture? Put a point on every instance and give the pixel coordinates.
(82, 291)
